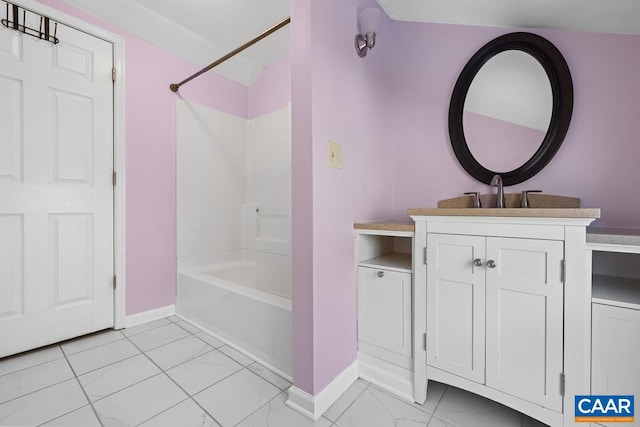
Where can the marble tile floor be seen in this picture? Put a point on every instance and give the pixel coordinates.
(170, 373)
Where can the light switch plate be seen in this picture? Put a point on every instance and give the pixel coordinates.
(335, 159)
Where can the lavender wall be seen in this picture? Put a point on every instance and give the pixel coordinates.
(342, 98)
(302, 197)
(598, 159)
(271, 91)
(151, 158)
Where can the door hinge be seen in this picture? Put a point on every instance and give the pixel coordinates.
(115, 281)
(424, 341)
(562, 383)
(425, 255)
(114, 178)
(563, 271)
(113, 74)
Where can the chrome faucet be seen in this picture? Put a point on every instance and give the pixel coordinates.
(497, 182)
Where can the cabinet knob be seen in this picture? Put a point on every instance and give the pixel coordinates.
(380, 273)
(478, 262)
(491, 264)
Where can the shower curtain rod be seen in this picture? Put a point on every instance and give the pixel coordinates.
(175, 86)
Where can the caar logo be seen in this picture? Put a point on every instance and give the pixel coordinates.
(610, 409)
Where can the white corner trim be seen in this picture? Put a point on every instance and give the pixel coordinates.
(149, 316)
(313, 407)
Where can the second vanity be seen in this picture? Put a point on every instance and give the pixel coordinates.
(500, 304)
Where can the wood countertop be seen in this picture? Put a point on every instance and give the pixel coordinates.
(385, 226)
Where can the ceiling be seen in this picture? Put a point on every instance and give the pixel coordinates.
(608, 16)
(203, 31)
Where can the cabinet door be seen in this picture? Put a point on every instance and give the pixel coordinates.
(524, 318)
(615, 352)
(456, 305)
(384, 312)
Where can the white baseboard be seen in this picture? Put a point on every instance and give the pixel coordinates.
(149, 316)
(392, 378)
(313, 407)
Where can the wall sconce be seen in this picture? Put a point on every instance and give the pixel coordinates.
(369, 22)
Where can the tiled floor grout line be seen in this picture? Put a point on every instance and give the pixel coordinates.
(435, 408)
(261, 406)
(179, 386)
(146, 330)
(81, 388)
(222, 379)
(211, 385)
(104, 366)
(89, 348)
(275, 385)
(32, 366)
(165, 410)
(351, 404)
(36, 391)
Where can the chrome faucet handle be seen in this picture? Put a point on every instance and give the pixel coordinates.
(524, 201)
(496, 181)
(476, 198)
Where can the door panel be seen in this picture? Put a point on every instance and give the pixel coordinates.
(72, 138)
(11, 265)
(71, 238)
(10, 123)
(10, 46)
(524, 319)
(56, 209)
(456, 305)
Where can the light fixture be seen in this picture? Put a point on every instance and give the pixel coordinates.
(369, 22)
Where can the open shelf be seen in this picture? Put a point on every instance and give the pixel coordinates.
(392, 261)
(616, 291)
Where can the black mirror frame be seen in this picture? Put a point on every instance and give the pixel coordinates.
(559, 75)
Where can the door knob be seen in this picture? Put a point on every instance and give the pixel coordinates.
(491, 264)
(478, 262)
(380, 273)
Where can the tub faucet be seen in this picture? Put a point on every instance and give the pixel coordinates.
(497, 182)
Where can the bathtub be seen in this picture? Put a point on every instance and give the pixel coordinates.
(245, 302)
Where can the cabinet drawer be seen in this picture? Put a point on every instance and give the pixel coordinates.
(384, 312)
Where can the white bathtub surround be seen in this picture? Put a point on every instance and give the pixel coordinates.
(234, 181)
(269, 180)
(218, 299)
(234, 237)
(313, 407)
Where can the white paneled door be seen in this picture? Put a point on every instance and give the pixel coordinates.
(56, 191)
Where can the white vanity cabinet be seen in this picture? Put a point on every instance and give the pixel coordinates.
(383, 254)
(499, 307)
(494, 313)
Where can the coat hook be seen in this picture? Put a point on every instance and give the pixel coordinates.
(16, 17)
(41, 33)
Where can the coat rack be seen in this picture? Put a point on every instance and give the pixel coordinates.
(42, 33)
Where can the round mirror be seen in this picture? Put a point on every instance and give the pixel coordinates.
(511, 108)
